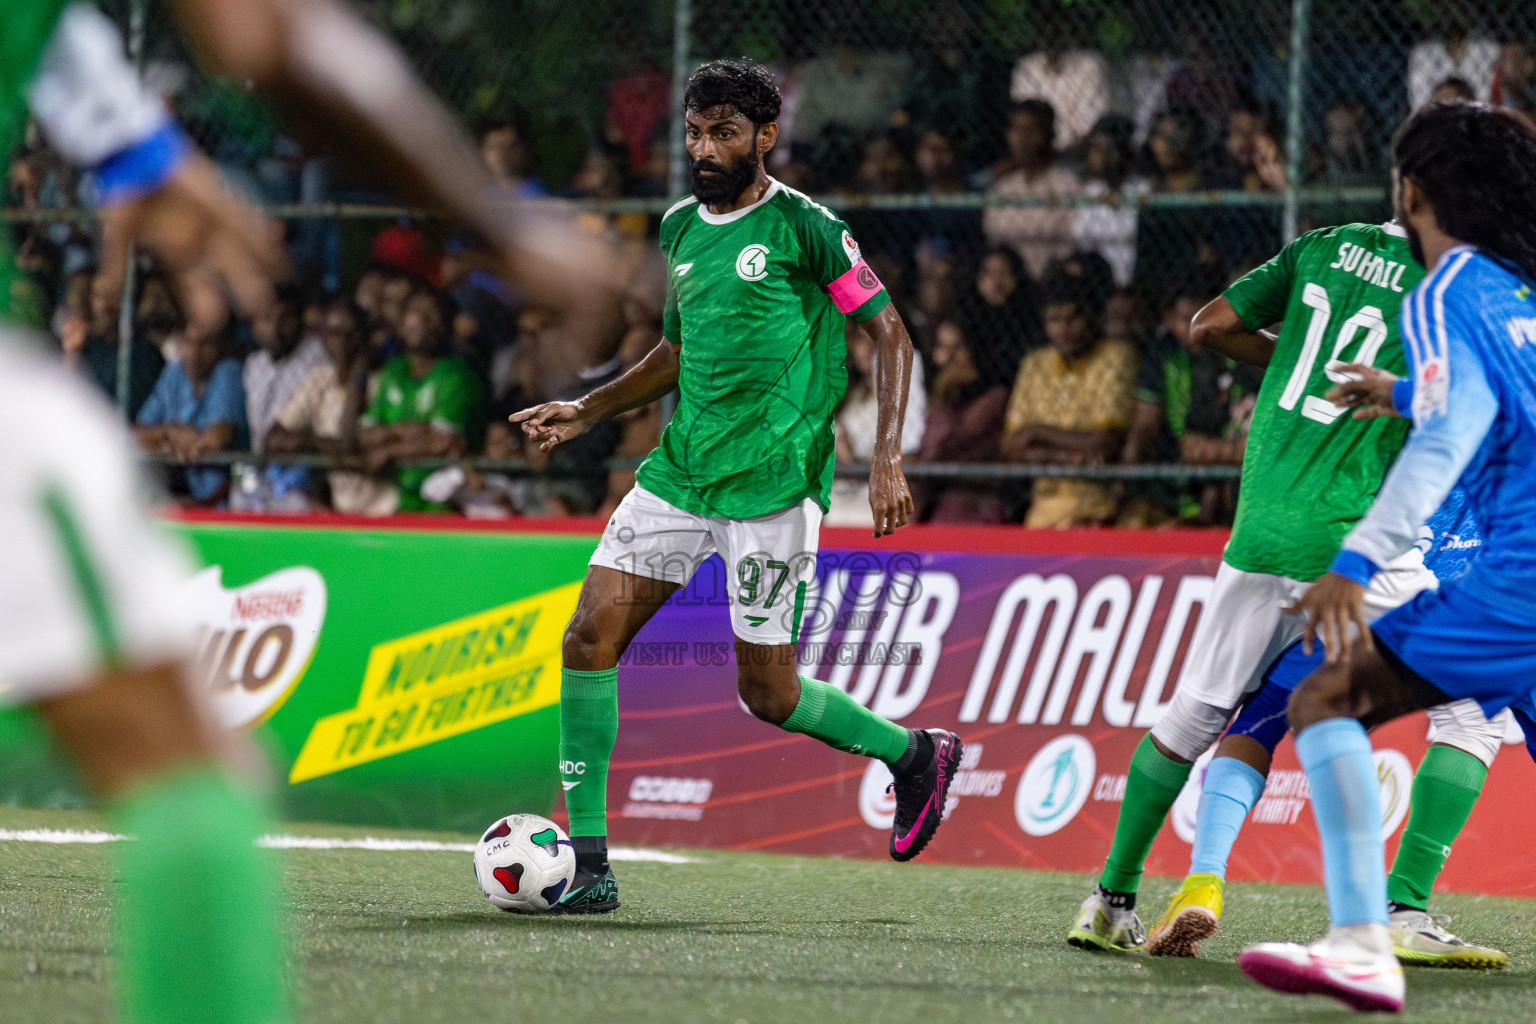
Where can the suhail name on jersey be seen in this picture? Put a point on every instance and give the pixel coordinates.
(1369, 267)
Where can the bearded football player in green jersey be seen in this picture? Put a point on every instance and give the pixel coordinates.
(761, 282)
(1310, 471)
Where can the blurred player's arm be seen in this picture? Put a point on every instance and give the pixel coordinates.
(645, 382)
(889, 497)
(1218, 327)
(154, 185)
(350, 93)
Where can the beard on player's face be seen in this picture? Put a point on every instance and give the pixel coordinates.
(729, 181)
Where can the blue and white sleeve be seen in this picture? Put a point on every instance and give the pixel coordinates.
(1454, 407)
(96, 111)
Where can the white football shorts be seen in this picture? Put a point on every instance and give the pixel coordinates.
(88, 581)
(769, 560)
(1243, 627)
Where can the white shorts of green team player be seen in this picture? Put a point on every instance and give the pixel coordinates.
(769, 560)
(1244, 628)
(88, 579)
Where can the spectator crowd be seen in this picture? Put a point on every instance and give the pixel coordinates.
(1053, 332)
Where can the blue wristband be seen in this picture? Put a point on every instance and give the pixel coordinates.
(144, 166)
(1402, 396)
(1352, 565)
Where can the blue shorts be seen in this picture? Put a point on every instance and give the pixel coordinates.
(1263, 719)
(1463, 647)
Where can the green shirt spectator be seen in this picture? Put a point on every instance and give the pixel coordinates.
(426, 404)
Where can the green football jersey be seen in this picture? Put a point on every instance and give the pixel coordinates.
(757, 301)
(1311, 470)
(24, 33)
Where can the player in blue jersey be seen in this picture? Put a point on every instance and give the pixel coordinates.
(1445, 787)
(1463, 183)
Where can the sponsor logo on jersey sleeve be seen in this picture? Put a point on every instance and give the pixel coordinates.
(851, 249)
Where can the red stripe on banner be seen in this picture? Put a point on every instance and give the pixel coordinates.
(1179, 543)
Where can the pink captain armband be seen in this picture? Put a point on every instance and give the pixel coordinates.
(854, 288)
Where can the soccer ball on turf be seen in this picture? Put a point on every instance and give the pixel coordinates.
(524, 863)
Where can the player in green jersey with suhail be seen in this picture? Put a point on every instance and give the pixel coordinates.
(1310, 472)
(761, 283)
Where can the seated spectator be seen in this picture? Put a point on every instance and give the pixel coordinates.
(1514, 80)
(965, 421)
(1178, 245)
(1348, 157)
(1183, 415)
(90, 342)
(1176, 145)
(883, 170)
(1070, 406)
(426, 404)
(939, 174)
(1000, 316)
(856, 421)
(196, 408)
(284, 356)
(1460, 56)
(1125, 318)
(1109, 227)
(938, 164)
(505, 150)
(1038, 234)
(1076, 83)
(322, 414)
(395, 288)
(1252, 160)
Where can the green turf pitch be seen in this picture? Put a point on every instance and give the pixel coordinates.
(389, 937)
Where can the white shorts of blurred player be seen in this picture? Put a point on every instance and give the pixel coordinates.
(88, 581)
(768, 559)
(1244, 628)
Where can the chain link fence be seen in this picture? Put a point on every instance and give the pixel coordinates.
(990, 156)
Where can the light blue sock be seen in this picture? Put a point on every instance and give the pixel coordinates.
(1347, 805)
(1230, 791)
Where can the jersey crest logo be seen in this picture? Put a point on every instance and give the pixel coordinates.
(752, 264)
(683, 268)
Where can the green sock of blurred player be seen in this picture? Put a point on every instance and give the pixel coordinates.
(198, 914)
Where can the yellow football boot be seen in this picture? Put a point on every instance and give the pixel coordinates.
(1190, 919)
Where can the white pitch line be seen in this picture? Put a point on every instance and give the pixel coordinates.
(49, 835)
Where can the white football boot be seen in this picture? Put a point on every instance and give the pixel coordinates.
(1422, 938)
(1355, 965)
(1100, 926)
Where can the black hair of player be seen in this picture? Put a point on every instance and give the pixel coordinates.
(743, 85)
(1476, 166)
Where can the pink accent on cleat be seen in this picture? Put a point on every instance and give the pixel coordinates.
(1320, 976)
(905, 841)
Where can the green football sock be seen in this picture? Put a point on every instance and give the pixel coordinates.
(1151, 786)
(828, 714)
(1444, 789)
(198, 920)
(589, 726)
